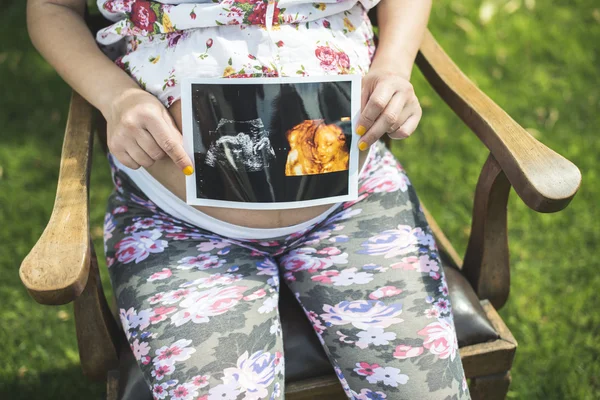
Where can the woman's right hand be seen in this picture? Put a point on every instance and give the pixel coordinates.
(141, 131)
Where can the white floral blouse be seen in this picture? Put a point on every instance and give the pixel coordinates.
(160, 42)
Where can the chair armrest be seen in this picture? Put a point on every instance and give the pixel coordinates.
(56, 270)
(545, 180)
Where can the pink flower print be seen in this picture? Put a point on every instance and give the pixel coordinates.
(443, 305)
(209, 43)
(330, 251)
(326, 24)
(250, 56)
(158, 297)
(193, 13)
(443, 289)
(199, 306)
(183, 392)
(327, 56)
(404, 351)
(391, 243)
(432, 313)
(212, 245)
(160, 390)
(170, 101)
(343, 60)
(325, 276)
(384, 180)
(201, 261)
(176, 352)
(139, 349)
(259, 294)
(164, 274)
(440, 339)
(213, 280)
(303, 259)
(386, 291)
(161, 370)
(316, 322)
(365, 369)
(280, 43)
(120, 210)
(160, 314)
(174, 296)
(200, 381)
(407, 263)
(139, 246)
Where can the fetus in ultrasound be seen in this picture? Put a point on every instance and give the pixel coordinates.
(241, 145)
(316, 148)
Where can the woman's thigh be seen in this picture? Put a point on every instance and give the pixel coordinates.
(199, 312)
(371, 282)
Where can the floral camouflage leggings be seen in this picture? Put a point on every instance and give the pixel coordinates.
(200, 310)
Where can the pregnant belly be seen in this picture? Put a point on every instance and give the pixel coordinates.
(167, 173)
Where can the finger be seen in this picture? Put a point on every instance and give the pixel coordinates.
(126, 160)
(171, 141)
(407, 128)
(139, 155)
(145, 140)
(388, 121)
(409, 110)
(364, 94)
(378, 100)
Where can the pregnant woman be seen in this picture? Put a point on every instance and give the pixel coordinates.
(197, 287)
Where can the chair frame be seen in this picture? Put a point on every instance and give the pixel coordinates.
(62, 266)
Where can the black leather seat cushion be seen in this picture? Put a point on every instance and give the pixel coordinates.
(304, 356)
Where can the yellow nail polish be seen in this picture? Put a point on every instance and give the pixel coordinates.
(188, 170)
(361, 130)
(362, 146)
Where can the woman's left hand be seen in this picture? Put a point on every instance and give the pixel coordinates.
(389, 105)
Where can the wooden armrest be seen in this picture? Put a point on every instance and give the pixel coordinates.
(545, 180)
(56, 270)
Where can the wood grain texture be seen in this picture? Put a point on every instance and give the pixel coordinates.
(98, 334)
(492, 357)
(326, 387)
(491, 387)
(487, 264)
(55, 271)
(112, 385)
(545, 180)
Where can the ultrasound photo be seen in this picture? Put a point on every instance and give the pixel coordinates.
(271, 143)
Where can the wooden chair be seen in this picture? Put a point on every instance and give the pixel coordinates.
(62, 266)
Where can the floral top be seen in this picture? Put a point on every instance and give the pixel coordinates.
(160, 42)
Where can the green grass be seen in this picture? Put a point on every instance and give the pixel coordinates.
(538, 60)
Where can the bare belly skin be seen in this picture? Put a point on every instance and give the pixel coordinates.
(167, 173)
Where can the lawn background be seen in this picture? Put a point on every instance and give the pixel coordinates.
(538, 59)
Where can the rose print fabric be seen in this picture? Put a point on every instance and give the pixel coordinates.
(158, 44)
(200, 311)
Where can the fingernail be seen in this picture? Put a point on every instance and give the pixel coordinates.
(362, 146)
(361, 130)
(188, 170)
